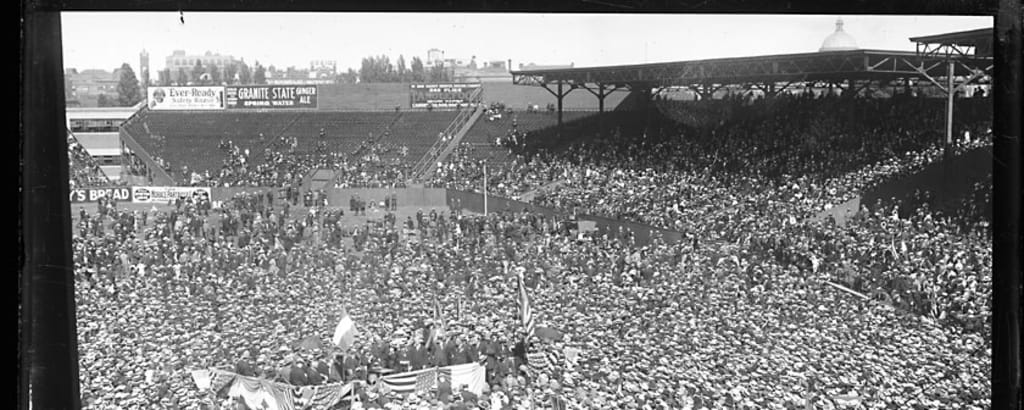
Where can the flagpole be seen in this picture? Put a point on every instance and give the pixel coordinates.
(485, 189)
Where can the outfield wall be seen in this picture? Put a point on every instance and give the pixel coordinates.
(415, 197)
(422, 197)
(387, 96)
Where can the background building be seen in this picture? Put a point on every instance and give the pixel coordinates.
(144, 69)
(323, 69)
(179, 61)
(839, 40)
(84, 88)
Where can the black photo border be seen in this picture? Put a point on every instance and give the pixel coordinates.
(46, 308)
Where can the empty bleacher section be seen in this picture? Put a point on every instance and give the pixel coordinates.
(391, 157)
(345, 130)
(418, 131)
(192, 139)
(519, 97)
(363, 97)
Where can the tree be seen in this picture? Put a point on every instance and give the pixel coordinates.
(182, 77)
(128, 91)
(103, 101)
(366, 73)
(438, 73)
(402, 71)
(229, 73)
(214, 74)
(386, 69)
(197, 72)
(417, 69)
(350, 77)
(244, 74)
(164, 77)
(260, 76)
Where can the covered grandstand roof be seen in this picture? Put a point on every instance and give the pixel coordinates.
(816, 66)
(976, 42)
(963, 38)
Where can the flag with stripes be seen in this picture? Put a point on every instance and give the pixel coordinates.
(542, 360)
(425, 380)
(523, 303)
(469, 374)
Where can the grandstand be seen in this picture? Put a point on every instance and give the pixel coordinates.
(96, 130)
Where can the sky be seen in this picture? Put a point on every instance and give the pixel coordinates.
(105, 40)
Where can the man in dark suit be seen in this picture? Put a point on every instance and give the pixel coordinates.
(313, 376)
(472, 353)
(402, 359)
(297, 374)
(462, 354)
(450, 349)
(322, 368)
(415, 356)
(244, 367)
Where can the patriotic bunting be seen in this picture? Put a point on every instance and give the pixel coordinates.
(259, 393)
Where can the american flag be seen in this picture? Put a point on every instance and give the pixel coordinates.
(538, 360)
(425, 380)
(523, 303)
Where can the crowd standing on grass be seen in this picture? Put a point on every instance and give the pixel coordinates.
(682, 325)
(742, 314)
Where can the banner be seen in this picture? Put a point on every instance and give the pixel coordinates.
(442, 95)
(166, 194)
(94, 194)
(260, 393)
(470, 375)
(271, 96)
(185, 98)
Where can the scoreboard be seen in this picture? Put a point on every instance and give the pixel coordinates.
(442, 95)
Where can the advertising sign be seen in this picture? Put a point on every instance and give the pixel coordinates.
(271, 96)
(185, 98)
(94, 194)
(166, 194)
(442, 95)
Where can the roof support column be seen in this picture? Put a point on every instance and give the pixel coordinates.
(950, 91)
(559, 95)
(600, 94)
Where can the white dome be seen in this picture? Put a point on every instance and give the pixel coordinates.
(839, 40)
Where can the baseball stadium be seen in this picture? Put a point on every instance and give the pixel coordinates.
(791, 231)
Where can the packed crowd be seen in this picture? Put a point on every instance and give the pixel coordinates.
(744, 313)
(463, 171)
(702, 324)
(377, 165)
(759, 176)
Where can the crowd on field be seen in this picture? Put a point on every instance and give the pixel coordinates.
(761, 306)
